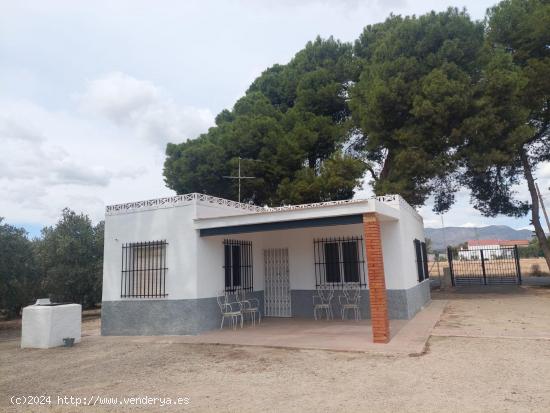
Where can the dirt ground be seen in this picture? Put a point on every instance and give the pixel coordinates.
(490, 352)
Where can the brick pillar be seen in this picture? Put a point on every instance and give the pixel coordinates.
(377, 282)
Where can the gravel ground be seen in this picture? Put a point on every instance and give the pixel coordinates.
(462, 371)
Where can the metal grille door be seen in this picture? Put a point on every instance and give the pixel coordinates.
(484, 266)
(277, 283)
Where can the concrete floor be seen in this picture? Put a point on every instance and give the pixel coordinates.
(407, 336)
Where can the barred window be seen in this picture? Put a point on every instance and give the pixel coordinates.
(421, 260)
(238, 265)
(339, 261)
(143, 269)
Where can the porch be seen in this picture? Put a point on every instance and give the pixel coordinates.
(284, 266)
(407, 336)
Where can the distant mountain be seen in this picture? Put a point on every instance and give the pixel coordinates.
(458, 235)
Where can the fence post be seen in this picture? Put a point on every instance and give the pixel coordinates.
(518, 266)
(450, 259)
(483, 267)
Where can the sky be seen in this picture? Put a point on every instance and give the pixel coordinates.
(91, 92)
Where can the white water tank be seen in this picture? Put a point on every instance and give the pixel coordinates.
(46, 324)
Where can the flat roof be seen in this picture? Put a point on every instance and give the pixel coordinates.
(328, 214)
(253, 218)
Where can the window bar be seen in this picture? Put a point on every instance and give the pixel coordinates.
(140, 269)
(122, 272)
(130, 272)
(130, 269)
(136, 286)
(316, 257)
(344, 265)
(151, 272)
(156, 271)
(145, 269)
(244, 281)
(249, 254)
(148, 269)
(163, 270)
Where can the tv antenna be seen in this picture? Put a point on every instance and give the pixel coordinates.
(239, 177)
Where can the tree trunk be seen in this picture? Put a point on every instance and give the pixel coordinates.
(535, 216)
(387, 165)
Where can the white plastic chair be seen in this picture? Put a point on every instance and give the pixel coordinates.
(231, 310)
(350, 300)
(322, 301)
(249, 306)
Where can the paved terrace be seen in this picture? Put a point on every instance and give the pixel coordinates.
(407, 336)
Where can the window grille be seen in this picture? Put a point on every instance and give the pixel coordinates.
(143, 269)
(421, 260)
(238, 268)
(339, 261)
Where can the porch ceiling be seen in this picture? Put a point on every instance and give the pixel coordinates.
(292, 219)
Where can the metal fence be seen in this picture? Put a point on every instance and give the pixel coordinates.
(143, 269)
(339, 261)
(484, 266)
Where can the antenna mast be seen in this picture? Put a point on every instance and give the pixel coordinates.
(239, 178)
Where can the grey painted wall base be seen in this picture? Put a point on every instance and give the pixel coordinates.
(402, 304)
(302, 304)
(163, 317)
(180, 317)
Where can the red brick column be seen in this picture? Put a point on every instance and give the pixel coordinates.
(377, 282)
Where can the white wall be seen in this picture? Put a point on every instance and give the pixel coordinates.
(210, 260)
(301, 256)
(410, 227)
(171, 224)
(210, 210)
(195, 263)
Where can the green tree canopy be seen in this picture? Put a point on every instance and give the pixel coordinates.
(509, 134)
(290, 128)
(19, 278)
(70, 256)
(413, 94)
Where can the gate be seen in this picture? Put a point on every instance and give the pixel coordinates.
(487, 266)
(277, 283)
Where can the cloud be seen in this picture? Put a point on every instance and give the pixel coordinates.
(69, 163)
(73, 174)
(53, 159)
(472, 225)
(144, 108)
(12, 129)
(119, 97)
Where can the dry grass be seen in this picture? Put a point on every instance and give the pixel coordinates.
(527, 265)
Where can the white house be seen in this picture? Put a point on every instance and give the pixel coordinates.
(166, 260)
(490, 248)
